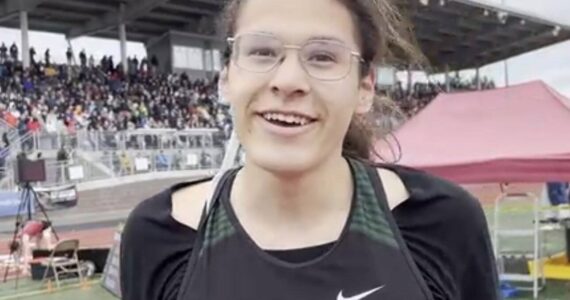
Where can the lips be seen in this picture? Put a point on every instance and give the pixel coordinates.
(286, 124)
(288, 119)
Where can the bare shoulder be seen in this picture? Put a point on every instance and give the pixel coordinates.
(188, 203)
(396, 192)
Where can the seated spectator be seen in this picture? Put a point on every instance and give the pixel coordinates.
(558, 195)
(101, 97)
(161, 161)
(126, 168)
(420, 95)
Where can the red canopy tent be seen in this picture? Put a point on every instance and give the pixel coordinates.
(515, 134)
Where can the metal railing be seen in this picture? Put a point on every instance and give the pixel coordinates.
(15, 140)
(161, 161)
(127, 140)
(103, 155)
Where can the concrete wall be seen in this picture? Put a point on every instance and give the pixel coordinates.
(163, 48)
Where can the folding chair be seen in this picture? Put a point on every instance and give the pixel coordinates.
(63, 259)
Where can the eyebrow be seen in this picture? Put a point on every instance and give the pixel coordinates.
(326, 38)
(313, 38)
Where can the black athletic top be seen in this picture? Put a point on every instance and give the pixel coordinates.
(435, 245)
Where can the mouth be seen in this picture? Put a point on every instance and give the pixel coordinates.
(287, 119)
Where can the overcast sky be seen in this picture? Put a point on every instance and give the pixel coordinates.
(551, 64)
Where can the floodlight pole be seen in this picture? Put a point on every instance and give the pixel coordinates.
(506, 61)
(123, 37)
(25, 38)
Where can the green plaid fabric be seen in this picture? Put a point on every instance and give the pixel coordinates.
(218, 227)
(368, 218)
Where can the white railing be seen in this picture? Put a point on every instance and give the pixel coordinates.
(10, 135)
(127, 140)
(103, 155)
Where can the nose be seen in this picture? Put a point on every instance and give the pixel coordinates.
(289, 78)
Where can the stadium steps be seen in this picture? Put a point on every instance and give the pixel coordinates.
(96, 168)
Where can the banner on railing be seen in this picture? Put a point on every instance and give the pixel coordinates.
(192, 160)
(76, 172)
(141, 164)
(10, 203)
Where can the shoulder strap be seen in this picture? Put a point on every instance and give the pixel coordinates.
(200, 235)
(220, 179)
(232, 152)
(383, 202)
(217, 186)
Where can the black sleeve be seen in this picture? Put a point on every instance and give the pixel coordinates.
(154, 251)
(448, 237)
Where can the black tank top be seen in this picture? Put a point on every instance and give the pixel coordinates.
(370, 261)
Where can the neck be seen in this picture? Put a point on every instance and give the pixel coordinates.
(305, 197)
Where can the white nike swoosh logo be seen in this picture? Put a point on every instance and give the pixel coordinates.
(359, 296)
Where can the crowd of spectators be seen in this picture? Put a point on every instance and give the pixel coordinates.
(101, 96)
(413, 100)
(64, 98)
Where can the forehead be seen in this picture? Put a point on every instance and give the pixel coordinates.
(296, 21)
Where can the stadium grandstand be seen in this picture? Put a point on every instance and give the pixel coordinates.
(468, 34)
(113, 132)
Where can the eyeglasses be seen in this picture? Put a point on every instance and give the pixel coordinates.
(322, 59)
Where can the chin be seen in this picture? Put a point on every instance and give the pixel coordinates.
(285, 162)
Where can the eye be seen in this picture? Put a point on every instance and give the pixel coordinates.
(262, 52)
(322, 57)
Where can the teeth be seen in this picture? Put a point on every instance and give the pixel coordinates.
(298, 120)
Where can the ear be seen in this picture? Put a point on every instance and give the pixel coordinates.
(367, 92)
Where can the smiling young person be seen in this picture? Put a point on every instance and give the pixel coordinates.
(307, 216)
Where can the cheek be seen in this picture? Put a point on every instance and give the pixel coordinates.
(340, 99)
(340, 105)
(241, 87)
(241, 94)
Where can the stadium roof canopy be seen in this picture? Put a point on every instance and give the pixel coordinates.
(459, 33)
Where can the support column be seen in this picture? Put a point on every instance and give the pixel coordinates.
(478, 79)
(25, 39)
(210, 67)
(205, 57)
(506, 63)
(409, 71)
(212, 64)
(123, 38)
(447, 80)
(70, 46)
